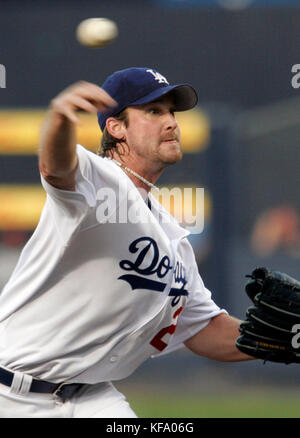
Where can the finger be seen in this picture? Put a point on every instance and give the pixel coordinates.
(107, 99)
(90, 106)
(71, 115)
(95, 93)
(81, 103)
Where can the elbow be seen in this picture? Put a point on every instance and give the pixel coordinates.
(47, 172)
(43, 170)
(62, 170)
(61, 180)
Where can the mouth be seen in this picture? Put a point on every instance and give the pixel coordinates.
(170, 140)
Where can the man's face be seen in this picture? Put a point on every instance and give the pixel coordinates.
(153, 134)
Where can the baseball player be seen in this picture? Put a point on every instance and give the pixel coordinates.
(108, 279)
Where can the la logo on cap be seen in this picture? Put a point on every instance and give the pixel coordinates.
(158, 77)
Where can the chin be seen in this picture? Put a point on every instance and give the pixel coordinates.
(176, 157)
(172, 155)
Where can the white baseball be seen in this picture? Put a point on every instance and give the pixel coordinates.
(96, 32)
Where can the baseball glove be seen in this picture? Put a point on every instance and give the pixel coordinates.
(269, 332)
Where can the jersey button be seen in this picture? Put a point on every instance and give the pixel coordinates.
(114, 358)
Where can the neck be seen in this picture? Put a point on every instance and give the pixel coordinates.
(142, 178)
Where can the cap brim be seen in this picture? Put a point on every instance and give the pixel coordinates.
(185, 97)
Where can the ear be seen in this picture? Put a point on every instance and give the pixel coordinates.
(115, 127)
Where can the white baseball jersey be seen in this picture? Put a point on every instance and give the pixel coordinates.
(93, 295)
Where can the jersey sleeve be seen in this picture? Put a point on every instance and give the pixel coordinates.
(69, 208)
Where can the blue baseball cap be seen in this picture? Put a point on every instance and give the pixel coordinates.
(136, 86)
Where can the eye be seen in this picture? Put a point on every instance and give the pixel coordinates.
(154, 110)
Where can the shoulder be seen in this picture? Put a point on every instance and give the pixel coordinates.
(91, 164)
(86, 156)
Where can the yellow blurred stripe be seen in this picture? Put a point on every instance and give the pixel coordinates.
(20, 206)
(20, 130)
(195, 130)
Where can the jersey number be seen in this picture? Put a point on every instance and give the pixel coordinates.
(157, 341)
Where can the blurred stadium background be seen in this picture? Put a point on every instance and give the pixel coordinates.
(241, 144)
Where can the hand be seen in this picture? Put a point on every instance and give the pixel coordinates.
(81, 96)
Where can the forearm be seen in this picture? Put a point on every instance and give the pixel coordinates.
(217, 340)
(57, 151)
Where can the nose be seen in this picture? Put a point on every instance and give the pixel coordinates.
(170, 121)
